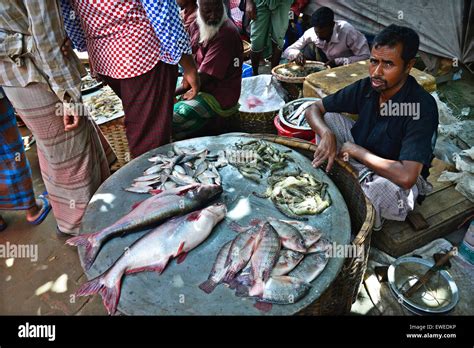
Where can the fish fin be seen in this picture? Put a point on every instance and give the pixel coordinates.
(255, 222)
(155, 191)
(136, 204)
(208, 286)
(263, 306)
(91, 249)
(184, 191)
(110, 296)
(242, 291)
(194, 216)
(180, 249)
(159, 267)
(181, 257)
(234, 226)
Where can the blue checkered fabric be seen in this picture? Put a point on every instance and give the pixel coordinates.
(164, 17)
(166, 21)
(73, 27)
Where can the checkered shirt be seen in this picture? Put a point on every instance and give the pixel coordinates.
(40, 61)
(127, 38)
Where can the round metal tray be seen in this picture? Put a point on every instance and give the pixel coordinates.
(442, 296)
(175, 291)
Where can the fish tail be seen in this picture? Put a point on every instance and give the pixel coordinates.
(91, 247)
(208, 286)
(110, 296)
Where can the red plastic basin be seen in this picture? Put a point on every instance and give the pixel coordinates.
(286, 131)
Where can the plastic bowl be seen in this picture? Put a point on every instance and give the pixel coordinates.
(286, 131)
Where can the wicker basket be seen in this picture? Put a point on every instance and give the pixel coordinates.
(293, 85)
(253, 122)
(114, 131)
(301, 79)
(342, 293)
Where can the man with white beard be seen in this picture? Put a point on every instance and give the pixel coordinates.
(218, 51)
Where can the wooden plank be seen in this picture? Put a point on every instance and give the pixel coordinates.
(401, 238)
(401, 232)
(437, 168)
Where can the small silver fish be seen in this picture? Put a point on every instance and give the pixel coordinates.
(147, 177)
(143, 189)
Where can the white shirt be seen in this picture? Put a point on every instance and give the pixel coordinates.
(347, 45)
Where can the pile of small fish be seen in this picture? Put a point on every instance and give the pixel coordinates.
(106, 104)
(257, 157)
(297, 117)
(296, 194)
(180, 167)
(273, 261)
(295, 70)
(174, 238)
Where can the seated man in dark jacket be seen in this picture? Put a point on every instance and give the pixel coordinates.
(391, 144)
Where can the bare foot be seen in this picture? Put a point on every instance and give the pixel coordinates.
(33, 213)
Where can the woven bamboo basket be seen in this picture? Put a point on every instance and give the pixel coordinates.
(294, 85)
(246, 49)
(114, 132)
(342, 293)
(253, 122)
(287, 79)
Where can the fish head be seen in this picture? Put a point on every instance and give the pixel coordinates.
(218, 210)
(208, 192)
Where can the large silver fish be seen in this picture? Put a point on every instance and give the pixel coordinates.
(153, 251)
(155, 209)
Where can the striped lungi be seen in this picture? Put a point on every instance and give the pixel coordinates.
(16, 187)
(73, 164)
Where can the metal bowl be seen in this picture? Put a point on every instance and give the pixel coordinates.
(440, 294)
(295, 104)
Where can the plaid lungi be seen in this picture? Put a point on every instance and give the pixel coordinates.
(16, 187)
(389, 200)
(189, 116)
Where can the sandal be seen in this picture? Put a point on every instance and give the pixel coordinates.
(45, 209)
(61, 234)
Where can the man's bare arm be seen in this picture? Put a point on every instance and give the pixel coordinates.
(402, 173)
(327, 148)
